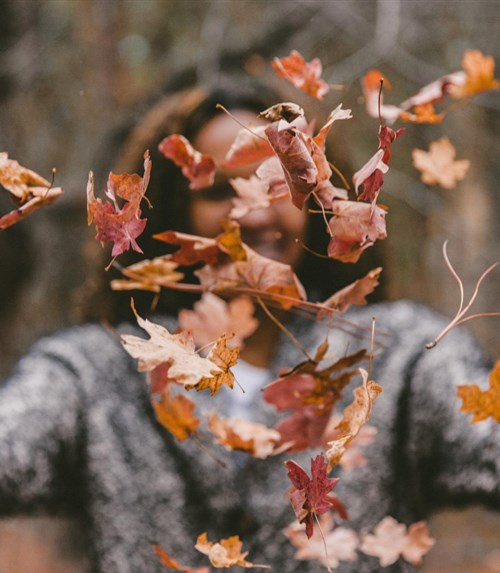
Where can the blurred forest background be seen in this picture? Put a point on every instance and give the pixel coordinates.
(73, 72)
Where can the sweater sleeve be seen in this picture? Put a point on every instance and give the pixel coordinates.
(449, 461)
(39, 420)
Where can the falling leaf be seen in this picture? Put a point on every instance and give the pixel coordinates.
(354, 227)
(354, 293)
(482, 404)
(355, 416)
(353, 457)
(149, 275)
(391, 540)
(193, 249)
(438, 165)
(310, 496)
(28, 190)
(286, 110)
(225, 553)
(170, 563)
(176, 414)
(251, 194)
(121, 225)
(177, 351)
(341, 542)
(479, 75)
(198, 168)
(250, 146)
(211, 315)
(242, 435)
(305, 76)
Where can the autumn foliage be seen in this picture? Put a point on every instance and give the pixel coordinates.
(290, 165)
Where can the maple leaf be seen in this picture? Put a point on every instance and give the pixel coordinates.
(306, 76)
(177, 354)
(28, 190)
(354, 227)
(242, 435)
(479, 75)
(482, 404)
(355, 416)
(225, 553)
(249, 146)
(309, 496)
(341, 542)
(170, 563)
(438, 165)
(198, 168)
(251, 194)
(354, 293)
(121, 225)
(193, 249)
(391, 540)
(212, 315)
(149, 275)
(176, 414)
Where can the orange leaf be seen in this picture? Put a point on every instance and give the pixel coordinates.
(479, 75)
(225, 553)
(170, 563)
(438, 165)
(176, 414)
(482, 404)
(303, 75)
(149, 275)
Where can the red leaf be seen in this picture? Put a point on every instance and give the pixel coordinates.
(309, 495)
(303, 75)
(198, 168)
(249, 146)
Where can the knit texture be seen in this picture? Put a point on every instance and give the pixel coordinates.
(78, 437)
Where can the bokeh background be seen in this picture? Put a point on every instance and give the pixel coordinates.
(74, 72)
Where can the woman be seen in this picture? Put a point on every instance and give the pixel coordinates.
(79, 435)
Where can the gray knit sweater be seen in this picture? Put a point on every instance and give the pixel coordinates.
(78, 437)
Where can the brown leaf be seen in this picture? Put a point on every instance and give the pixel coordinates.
(149, 275)
(249, 146)
(354, 293)
(355, 416)
(438, 165)
(482, 404)
(286, 110)
(225, 553)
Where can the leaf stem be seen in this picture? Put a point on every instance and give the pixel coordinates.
(324, 543)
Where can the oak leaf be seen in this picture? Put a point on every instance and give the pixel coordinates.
(198, 168)
(438, 165)
(310, 496)
(121, 225)
(355, 416)
(242, 435)
(175, 413)
(28, 190)
(211, 315)
(482, 404)
(305, 76)
(391, 540)
(225, 553)
(341, 542)
(170, 563)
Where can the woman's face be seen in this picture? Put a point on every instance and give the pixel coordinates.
(271, 231)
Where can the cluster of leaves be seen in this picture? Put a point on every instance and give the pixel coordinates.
(292, 166)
